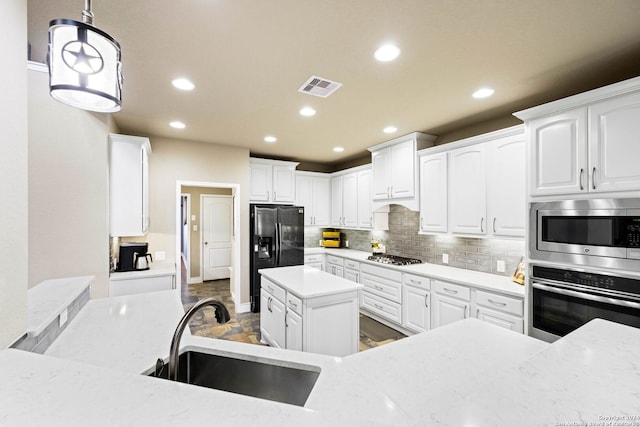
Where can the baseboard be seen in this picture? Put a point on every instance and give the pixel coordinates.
(386, 322)
(193, 280)
(240, 307)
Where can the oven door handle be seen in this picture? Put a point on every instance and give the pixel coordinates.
(584, 295)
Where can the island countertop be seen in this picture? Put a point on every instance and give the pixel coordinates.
(465, 373)
(308, 282)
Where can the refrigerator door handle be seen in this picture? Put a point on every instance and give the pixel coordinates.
(278, 236)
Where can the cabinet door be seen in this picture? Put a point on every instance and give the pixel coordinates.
(403, 163)
(272, 320)
(365, 211)
(506, 186)
(350, 200)
(321, 201)
(433, 192)
(145, 189)
(501, 319)
(336, 201)
(468, 190)
(304, 197)
(416, 311)
(284, 184)
(352, 275)
(294, 331)
(260, 185)
(558, 153)
(448, 310)
(614, 144)
(381, 171)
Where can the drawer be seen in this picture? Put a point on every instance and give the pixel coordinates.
(140, 285)
(294, 303)
(387, 273)
(313, 258)
(383, 287)
(353, 265)
(335, 260)
(382, 307)
(500, 302)
(275, 290)
(419, 281)
(452, 290)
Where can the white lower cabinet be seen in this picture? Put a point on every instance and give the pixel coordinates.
(272, 316)
(451, 302)
(335, 265)
(326, 324)
(352, 270)
(382, 294)
(315, 260)
(500, 310)
(416, 303)
(141, 285)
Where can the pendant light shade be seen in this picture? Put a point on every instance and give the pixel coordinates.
(85, 69)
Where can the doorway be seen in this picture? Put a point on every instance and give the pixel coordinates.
(194, 228)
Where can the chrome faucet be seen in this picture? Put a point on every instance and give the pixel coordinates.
(222, 316)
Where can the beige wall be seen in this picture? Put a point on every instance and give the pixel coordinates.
(194, 236)
(13, 172)
(175, 160)
(68, 189)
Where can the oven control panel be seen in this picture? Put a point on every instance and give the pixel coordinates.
(587, 279)
(633, 232)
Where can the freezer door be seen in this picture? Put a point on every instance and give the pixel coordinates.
(263, 247)
(290, 234)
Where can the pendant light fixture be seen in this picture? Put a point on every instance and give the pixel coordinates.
(85, 70)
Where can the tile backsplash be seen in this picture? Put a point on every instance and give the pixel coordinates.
(402, 238)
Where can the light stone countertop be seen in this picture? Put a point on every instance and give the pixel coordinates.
(161, 268)
(476, 279)
(49, 298)
(308, 282)
(464, 373)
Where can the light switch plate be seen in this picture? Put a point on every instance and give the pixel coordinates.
(500, 266)
(193, 217)
(62, 319)
(195, 227)
(160, 255)
(445, 258)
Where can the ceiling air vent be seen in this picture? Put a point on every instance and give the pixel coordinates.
(319, 87)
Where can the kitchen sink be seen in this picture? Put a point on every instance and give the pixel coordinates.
(258, 379)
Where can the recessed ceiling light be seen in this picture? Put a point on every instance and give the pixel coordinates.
(338, 149)
(484, 92)
(182, 84)
(270, 139)
(386, 53)
(390, 129)
(177, 125)
(308, 112)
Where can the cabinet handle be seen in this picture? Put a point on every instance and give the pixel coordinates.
(494, 224)
(415, 282)
(581, 173)
(482, 225)
(274, 196)
(267, 195)
(293, 303)
(378, 287)
(477, 313)
(593, 178)
(451, 291)
(464, 315)
(269, 304)
(371, 221)
(379, 307)
(357, 277)
(421, 219)
(391, 191)
(425, 300)
(498, 303)
(286, 318)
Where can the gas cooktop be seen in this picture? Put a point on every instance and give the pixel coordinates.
(393, 259)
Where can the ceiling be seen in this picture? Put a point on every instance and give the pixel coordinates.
(248, 58)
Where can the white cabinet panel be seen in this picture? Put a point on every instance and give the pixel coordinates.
(501, 319)
(467, 186)
(272, 320)
(448, 310)
(350, 200)
(260, 182)
(283, 184)
(294, 331)
(416, 310)
(365, 208)
(433, 192)
(272, 181)
(313, 192)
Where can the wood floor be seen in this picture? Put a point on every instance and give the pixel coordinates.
(245, 327)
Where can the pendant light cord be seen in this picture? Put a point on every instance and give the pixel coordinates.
(87, 14)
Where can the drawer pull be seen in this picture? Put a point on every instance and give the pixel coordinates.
(451, 291)
(498, 303)
(415, 282)
(293, 304)
(379, 307)
(380, 288)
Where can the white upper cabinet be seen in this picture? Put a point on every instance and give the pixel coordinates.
(506, 198)
(344, 200)
(128, 185)
(394, 169)
(313, 192)
(587, 143)
(365, 209)
(433, 192)
(467, 186)
(272, 181)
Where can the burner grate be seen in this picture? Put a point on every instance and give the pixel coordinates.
(393, 259)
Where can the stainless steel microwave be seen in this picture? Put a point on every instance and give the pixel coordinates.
(597, 232)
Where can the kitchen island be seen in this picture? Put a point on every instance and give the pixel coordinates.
(468, 373)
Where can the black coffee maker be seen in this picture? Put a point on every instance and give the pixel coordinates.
(129, 253)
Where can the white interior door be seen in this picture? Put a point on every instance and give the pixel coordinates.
(217, 235)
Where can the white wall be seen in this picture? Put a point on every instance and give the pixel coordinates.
(174, 160)
(13, 171)
(68, 189)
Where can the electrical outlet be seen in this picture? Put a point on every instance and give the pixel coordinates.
(500, 266)
(193, 217)
(160, 255)
(195, 227)
(445, 258)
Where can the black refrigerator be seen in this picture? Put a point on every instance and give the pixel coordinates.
(277, 240)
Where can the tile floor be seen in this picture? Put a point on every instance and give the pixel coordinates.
(243, 327)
